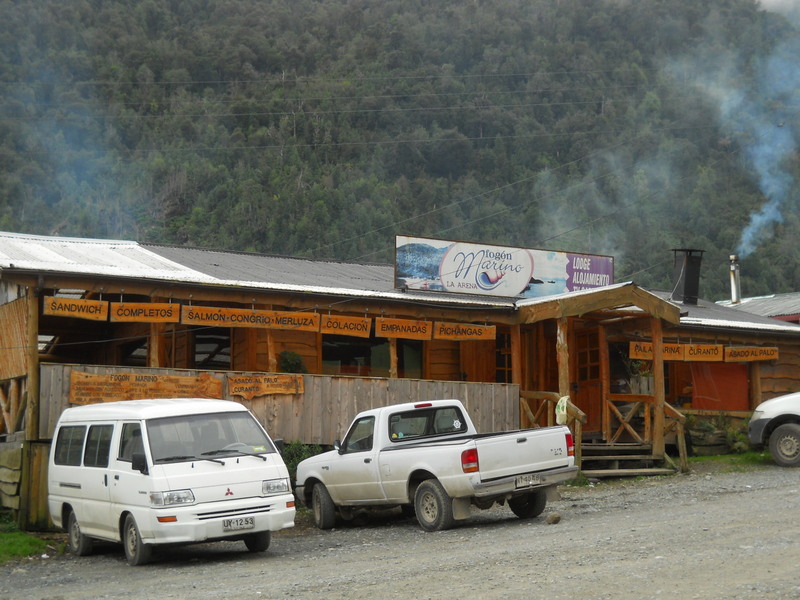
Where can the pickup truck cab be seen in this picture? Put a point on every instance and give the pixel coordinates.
(427, 457)
(776, 425)
(166, 471)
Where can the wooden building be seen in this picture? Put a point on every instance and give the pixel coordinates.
(306, 344)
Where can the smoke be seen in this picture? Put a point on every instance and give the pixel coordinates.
(757, 112)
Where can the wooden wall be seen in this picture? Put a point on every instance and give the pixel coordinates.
(13, 340)
(325, 408)
(10, 473)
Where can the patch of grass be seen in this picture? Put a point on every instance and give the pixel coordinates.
(731, 462)
(14, 543)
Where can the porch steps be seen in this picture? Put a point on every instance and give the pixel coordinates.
(623, 460)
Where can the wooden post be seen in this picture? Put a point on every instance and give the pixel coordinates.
(516, 355)
(605, 383)
(562, 354)
(658, 384)
(393, 358)
(32, 368)
(755, 384)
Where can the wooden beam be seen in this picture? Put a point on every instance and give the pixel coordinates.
(562, 354)
(659, 384)
(32, 360)
(516, 355)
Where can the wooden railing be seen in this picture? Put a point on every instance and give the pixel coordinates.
(545, 415)
(622, 412)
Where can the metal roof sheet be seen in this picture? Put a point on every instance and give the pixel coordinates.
(711, 314)
(773, 305)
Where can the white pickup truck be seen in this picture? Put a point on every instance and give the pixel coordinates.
(426, 457)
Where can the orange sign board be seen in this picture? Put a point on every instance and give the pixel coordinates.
(242, 317)
(644, 351)
(750, 353)
(145, 312)
(353, 326)
(250, 386)
(463, 331)
(705, 352)
(78, 308)
(403, 328)
(90, 388)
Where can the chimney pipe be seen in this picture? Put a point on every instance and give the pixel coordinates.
(736, 287)
(686, 275)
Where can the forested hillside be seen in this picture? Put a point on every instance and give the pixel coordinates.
(322, 128)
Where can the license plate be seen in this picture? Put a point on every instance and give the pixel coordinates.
(237, 524)
(528, 480)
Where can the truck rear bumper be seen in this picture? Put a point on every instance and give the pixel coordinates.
(519, 484)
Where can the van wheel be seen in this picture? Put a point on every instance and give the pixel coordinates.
(136, 551)
(324, 508)
(79, 544)
(433, 506)
(784, 445)
(257, 542)
(528, 506)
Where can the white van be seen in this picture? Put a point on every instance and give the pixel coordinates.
(166, 471)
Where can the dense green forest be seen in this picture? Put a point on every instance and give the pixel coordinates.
(322, 128)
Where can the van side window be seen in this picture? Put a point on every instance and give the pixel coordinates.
(98, 446)
(130, 441)
(69, 445)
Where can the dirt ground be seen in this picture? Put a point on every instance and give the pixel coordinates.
(709, 534)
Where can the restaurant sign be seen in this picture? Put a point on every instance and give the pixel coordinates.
(447, 266)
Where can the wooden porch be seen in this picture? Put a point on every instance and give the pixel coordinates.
(626, 448)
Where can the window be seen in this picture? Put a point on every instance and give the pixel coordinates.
(69, 445)
(426, 422)
(190, 437)
(369, 357)
(503, 357)
(359, 438)
(98, 446)
(130, 441)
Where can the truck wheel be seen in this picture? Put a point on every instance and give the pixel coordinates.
(433, 506)
(784, 445)
(257, 542)
(79, 544)
(324, 508)
(528, 506)
(136, 551)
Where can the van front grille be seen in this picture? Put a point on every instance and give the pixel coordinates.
(237, 512)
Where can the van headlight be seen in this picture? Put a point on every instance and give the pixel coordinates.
(171, 498)
(757, 414)
(275, 486)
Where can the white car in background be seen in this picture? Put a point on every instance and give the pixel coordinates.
(776, 425)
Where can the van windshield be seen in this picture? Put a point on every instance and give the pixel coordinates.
(191, 437)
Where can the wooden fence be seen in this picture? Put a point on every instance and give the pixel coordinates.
(322, 411)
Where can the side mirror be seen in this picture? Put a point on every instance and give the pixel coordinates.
(279, 446)
(337, 445)
(139, 463)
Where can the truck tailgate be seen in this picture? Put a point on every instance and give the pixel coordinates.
(525, 451)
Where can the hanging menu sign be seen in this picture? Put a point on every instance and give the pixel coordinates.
(463, 331)
(644, 351)
(403, 328)
(750, 353)
(242, 317)
(77, 308)
(353, 326)
(145, 312)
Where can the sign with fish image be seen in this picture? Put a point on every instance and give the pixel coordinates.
(481, 269)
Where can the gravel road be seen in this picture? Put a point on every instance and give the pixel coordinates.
(708, 535)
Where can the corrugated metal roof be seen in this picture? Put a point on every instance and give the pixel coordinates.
(708, 314)
(774, 305)
(126, 259)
